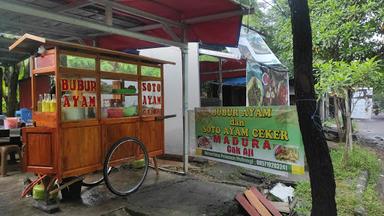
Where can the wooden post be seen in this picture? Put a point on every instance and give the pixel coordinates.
(316, 149)
(156, 165)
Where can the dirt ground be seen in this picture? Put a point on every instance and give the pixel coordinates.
(208, 189)
(166, 194)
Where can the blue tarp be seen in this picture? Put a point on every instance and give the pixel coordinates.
(238, 81)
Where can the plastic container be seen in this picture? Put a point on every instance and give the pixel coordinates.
(104, 113)
(73, 113)
(26, 115)
(130, 111)
(10, 123)
(17, 113)
(115, 112)
(124, 91)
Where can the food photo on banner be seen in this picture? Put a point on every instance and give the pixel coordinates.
(266, 78)
(264, 138)
(266, 86)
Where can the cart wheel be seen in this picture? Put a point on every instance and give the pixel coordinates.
(129, 160)
(94, 179)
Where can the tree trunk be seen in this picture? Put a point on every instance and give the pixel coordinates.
(326, 106)
(315, 145)
(12, 92)
(322, 111)
(348, 131)
(344, 118)
(337, 120)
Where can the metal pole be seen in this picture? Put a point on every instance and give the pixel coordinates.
(221, 81)
(184, 58)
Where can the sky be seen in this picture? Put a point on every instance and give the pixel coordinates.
(264, 4)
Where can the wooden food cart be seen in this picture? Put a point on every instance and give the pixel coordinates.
(96, 97)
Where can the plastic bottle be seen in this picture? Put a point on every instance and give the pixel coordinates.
(49, 103)
(45, 104)
(52, 104)
(40, 103)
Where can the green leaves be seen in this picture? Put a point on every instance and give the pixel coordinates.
(342, 30)
(337, 77)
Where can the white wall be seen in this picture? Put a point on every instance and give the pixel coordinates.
(173, 91)
(193, 76)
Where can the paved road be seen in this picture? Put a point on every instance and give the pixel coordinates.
(371, 131)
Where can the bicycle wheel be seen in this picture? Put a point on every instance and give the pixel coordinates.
(94, 179)
(128, 161)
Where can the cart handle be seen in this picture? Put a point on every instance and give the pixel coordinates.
(159, 118)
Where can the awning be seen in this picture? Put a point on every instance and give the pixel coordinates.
(230, 68)
(221, 32)
(126, 24)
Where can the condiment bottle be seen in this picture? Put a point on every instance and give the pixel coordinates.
(52, 104)
(45, 104)
(39, 103)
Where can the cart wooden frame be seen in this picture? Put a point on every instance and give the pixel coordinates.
(61, 148)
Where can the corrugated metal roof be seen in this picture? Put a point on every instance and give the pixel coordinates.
(18, 24)
(201, 16)
(29, 44)
(10, 58)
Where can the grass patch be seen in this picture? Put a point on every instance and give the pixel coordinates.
(345, 176)
(329, 122)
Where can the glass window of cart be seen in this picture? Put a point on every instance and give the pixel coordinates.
(119, 98)
(77, 62)
(118, 67)
(150, 71)
(78, 98)
(151, 97)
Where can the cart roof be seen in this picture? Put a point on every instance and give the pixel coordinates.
(29, 44)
